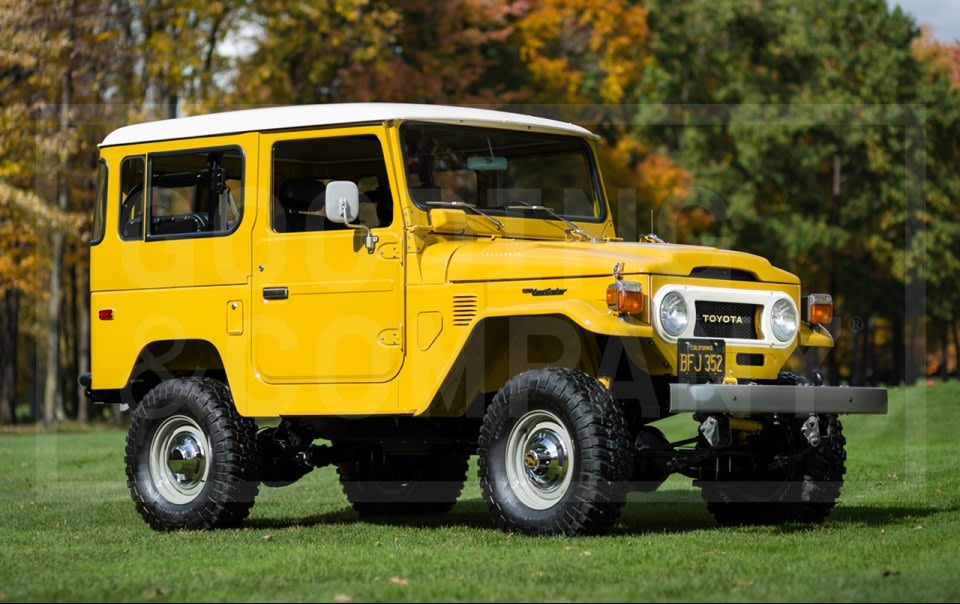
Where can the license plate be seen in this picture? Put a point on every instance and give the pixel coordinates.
(700, 361)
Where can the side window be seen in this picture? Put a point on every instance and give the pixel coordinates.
(131, 198)
(99, 226)
(195, 193)
(303, 168)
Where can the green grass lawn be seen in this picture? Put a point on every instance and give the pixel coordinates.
(69, 531)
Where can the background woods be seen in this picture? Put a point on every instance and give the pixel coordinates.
(823, 135)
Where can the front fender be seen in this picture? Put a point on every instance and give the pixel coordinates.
(590, 316)
(815, 335)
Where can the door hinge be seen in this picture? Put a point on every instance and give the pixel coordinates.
(389, 251)
(392, 336)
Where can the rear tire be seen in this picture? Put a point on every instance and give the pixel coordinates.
(555, 454)
(385, 484)
(191, 459)
(742, 491)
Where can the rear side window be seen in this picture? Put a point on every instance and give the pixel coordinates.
(196, 193)
(131, 198)
(100, 205)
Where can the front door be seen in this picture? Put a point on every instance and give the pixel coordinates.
(325, 310)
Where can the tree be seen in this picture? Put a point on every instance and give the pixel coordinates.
(583, 51)
(799, 117)
(371, 50)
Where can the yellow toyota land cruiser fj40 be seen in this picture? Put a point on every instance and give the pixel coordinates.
(418, 284)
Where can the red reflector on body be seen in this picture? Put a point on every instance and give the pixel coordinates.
(106, 315)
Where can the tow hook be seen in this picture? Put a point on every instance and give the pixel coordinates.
(811, 430)
(716, 431)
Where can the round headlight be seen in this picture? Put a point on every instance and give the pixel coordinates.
(783, 320)
(673, 314)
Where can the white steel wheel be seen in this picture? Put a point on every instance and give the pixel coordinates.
(191, 460)
(554, 454)
(179, 459)
(539, 460)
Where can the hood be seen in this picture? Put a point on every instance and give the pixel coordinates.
(496, 260)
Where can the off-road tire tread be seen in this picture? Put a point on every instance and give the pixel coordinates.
(826, 466)
(234, 478)
(441, 479)
(603, 441)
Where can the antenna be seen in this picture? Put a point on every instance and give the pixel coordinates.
(650, 237)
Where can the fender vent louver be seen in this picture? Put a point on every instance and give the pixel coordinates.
(464, 309)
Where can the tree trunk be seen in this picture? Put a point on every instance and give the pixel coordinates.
(956, 348)
(833, 364)
(51, 391)
(116, 416)
(35, 383)
(944, 358)
(860, 360)
(856, 365)
(68, 375)
(9, 318)
(83, 340)
(53, 335)
(898, 352)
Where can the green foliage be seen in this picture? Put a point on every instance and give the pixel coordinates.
(830, 140)
(823, 135)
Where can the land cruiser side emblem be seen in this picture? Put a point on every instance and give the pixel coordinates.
(721, 319)
(550, 291)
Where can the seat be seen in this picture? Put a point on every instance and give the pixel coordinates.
(383, 201)
(302, 202)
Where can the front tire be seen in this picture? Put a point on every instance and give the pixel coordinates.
(744, 491)
(554, 454)
(191, 460)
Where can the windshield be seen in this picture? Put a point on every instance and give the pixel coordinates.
(492, 169)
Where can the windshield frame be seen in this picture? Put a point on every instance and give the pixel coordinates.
(581, 141)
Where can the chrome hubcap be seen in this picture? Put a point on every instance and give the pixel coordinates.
(179, 459)
(546, 460)
(186, 460)
(539, 459)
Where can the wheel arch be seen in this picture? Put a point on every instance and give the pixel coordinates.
(167, 359)
(500, 347)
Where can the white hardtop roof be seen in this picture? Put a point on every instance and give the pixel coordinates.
(305, 116)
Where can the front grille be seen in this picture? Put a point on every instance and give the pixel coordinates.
(726, 320)
(724, 273)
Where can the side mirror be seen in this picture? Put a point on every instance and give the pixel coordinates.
(342, 204)
(342, 201)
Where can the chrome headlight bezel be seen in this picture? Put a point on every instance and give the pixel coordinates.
(674, 314)
(784, 320)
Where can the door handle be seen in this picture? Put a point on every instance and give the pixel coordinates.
(275, 293)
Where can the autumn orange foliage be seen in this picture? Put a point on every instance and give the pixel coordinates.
(582, 51)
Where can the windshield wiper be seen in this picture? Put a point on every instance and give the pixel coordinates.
(467, 206)
(523, 206)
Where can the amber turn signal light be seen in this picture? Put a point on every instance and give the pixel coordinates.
(625, 297)
(818, 308)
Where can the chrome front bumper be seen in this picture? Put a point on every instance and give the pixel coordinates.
(755, 399)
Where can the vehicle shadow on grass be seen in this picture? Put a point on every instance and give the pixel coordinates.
(663, 512)
(872, 515)
(470, 513)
